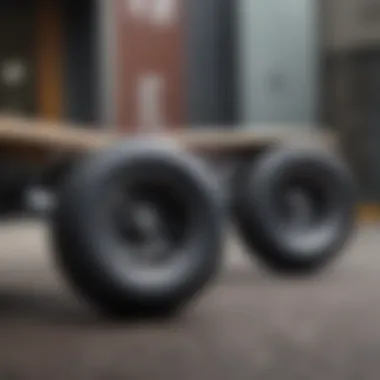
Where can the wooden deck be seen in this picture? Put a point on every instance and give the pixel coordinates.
(41, 134)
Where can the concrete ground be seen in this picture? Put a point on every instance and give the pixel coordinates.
(250, 325)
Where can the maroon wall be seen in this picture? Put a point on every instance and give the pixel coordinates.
(150, 64)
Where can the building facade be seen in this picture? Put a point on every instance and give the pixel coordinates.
(143, 64)
(139, 65)
(352, 85)
(134, 64)
(47, 65)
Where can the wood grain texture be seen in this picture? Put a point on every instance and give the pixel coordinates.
(57, 136)
(49, 54)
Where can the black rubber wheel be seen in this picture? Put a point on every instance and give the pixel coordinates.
(304, 235)
(138, 229)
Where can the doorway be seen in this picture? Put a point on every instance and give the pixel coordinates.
(48, 59)
(17, 58)
(30, 58)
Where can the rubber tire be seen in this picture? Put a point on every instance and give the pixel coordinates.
(85, 250)
(259, 223)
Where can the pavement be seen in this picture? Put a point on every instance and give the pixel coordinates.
(249, 325)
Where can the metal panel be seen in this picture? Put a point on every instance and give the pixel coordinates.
(80, 60)
(210, 62)
(278, 61)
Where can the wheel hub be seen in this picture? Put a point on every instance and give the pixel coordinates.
(146, 229)
(301, 210)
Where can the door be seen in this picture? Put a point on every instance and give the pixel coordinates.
(17, 61)
(278, 61)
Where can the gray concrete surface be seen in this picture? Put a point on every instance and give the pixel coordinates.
(250, 325)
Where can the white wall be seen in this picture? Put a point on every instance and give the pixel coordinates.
(278, 61)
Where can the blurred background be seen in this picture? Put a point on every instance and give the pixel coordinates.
(144, 64)
(148, 65)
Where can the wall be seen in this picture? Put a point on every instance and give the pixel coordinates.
(353, 93)
(351, 24)
(352, 86)
(151, 67)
